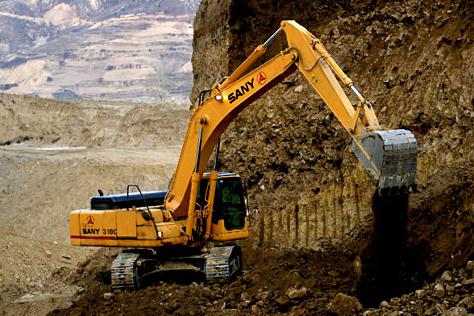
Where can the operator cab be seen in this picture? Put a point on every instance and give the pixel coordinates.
(230, 202)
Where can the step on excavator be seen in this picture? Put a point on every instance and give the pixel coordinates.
(193, 226)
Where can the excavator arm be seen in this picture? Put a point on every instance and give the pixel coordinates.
(388, 156)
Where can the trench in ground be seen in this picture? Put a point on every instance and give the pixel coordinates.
(390, 269)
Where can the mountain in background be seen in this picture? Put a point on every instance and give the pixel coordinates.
(97, 49)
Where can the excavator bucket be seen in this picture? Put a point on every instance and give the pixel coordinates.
(389, 157)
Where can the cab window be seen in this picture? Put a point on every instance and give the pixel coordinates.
(231, 203)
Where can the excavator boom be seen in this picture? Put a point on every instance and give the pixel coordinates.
(389, 156)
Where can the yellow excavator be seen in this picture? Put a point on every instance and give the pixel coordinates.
(191, 227)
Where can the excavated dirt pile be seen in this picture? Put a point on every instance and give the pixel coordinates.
(273, 281)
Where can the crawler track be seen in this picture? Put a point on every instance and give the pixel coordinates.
(219, 264)
(125, 271)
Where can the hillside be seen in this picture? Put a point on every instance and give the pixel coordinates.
(107, 50)
(414, 60)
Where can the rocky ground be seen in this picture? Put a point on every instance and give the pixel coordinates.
(450, 294)
(273, 281)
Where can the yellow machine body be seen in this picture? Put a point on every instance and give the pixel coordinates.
(122, 228)
(150, 227)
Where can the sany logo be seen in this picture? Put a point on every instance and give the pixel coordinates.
(90, 220)
(248, 86)
(241, 91)
(261, 78)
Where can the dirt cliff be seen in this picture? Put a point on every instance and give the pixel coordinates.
(413, 59)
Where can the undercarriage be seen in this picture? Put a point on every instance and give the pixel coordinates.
(133, 268)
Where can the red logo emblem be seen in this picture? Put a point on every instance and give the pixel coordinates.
(90, 220)
(261, 77)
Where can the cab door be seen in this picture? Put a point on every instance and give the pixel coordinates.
(230, 203)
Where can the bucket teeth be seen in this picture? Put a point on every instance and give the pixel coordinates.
(389, 157)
